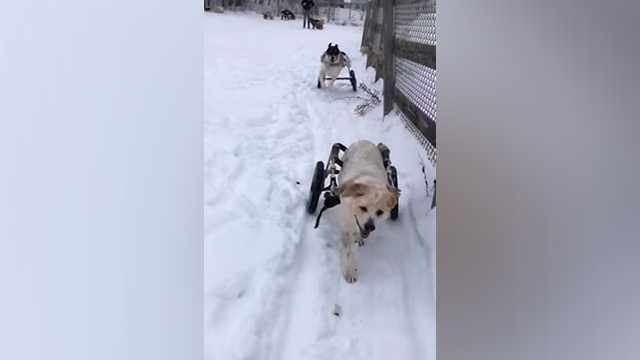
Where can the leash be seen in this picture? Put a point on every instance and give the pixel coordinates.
(329, 202)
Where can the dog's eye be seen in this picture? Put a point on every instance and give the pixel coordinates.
(364, 209)
(379, 212)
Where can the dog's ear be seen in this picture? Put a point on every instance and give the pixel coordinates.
(352, 189)
(329, 47)
(395, 191)
(394, 194)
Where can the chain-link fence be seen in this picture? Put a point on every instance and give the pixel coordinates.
(399, 39)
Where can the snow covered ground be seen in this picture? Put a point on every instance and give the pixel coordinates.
(271, 279)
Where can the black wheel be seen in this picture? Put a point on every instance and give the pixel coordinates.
(316, 187)
(354, 82)
(394, 180)
(319, 86)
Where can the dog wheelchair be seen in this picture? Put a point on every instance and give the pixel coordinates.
(351, 78)
(331, 172)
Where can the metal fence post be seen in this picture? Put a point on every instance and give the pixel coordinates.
(387, 36)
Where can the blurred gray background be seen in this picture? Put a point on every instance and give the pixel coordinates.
(539, 163)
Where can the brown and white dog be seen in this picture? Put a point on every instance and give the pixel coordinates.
(366, 199)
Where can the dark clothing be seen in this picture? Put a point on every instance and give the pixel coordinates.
(307, 4)
(305, 19)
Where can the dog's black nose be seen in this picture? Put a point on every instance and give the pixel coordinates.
(369, 226)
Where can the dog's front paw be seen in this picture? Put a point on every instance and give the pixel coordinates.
(359, 241)
(351, 275)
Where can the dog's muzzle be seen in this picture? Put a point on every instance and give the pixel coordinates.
(368, 228)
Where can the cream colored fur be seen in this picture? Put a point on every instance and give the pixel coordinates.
(365, 198)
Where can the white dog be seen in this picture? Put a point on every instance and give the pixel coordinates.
(365, 199)
(332, 62)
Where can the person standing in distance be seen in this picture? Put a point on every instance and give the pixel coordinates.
(307, 5)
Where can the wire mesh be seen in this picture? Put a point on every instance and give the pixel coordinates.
(430, 151)
(415, 21)
(418, 83)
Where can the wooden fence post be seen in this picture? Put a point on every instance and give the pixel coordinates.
(365, 29)
(387, 36)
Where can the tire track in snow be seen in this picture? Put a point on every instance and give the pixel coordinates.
(306, 306)
(283, 317)
(288, 139)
